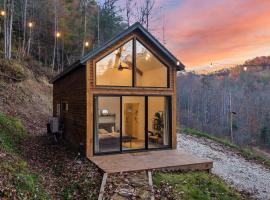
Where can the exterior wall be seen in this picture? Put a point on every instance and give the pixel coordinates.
(72, 90)
(92, 89)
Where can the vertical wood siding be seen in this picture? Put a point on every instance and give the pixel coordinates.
(78, 89)
(72, 89)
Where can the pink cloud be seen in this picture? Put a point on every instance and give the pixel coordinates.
(200, 32)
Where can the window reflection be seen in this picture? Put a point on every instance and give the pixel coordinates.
(107, 127)
(158, 122)
(115, 69)
(150, 71)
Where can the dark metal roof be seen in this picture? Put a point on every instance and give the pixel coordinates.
(135, 27)
(66, 71)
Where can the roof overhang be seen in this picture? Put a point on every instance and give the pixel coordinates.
(69, 69)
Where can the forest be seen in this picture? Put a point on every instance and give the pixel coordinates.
(59, 32)
(219, 114)
(231, 103)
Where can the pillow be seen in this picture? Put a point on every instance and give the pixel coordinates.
(102, 131)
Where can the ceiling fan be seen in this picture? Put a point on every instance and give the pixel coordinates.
(118, 65)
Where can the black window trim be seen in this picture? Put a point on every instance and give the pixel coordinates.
(133, 81)
(146, 148)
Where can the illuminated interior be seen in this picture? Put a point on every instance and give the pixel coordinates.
(133, 119)
(158, 124)
(117, 131)
(107, 137)
(153, 72)
(116, 69)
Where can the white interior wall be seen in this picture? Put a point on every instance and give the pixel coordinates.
(156, 104)
(113, 105)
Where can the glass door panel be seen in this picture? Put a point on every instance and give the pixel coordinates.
(107, 126)
(158, 122)
(133, 122)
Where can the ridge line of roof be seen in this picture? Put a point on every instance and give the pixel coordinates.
(104, 46)
(110, 42)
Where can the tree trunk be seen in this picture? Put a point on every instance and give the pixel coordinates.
(29, 41)
(8, 26)
(84, 27)
(55, 39)
(231, 117)
(24, 24)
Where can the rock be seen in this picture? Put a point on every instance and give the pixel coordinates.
(126, 192)
(118, 197)
(2, 155)
(144, 194)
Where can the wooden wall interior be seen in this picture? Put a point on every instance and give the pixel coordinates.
(72, 90)
(92, 89)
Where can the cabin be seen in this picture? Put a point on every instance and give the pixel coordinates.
(120, 97)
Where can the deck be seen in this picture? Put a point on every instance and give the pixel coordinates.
(163, 159)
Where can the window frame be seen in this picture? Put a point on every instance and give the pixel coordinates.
(134, 66)
(146, 96)
(157, 57)
(102, 57)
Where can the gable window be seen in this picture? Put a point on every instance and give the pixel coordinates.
(115, 69)
(153, 73)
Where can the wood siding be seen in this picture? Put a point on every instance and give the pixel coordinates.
(78, 88)
(92, 89)
(72, 90)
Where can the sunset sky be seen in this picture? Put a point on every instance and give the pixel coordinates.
(218, 31)
(199, 32)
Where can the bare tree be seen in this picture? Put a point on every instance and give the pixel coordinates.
(55, 32)
(8, 27)
(85, 4)
(128, 10)
(24, 24)
(145, 12)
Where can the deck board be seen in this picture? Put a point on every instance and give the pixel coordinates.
(164, 159)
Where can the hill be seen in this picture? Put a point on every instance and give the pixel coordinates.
(231, 103)
(26, 93)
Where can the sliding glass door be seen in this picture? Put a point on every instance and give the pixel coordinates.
(133, 122)
(158, 122)
(125, 123)
(107, 124)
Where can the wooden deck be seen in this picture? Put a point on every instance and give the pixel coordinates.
(164, 159)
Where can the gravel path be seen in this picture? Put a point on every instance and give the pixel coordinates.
(230, 166)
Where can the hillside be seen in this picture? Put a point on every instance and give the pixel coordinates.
(17, 181)
(31, 167)
(231, 104)
(26, 93)
(234, 167)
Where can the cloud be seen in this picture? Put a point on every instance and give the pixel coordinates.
(201, 32)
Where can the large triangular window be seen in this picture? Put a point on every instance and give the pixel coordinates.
(153, 73)
(115, 69)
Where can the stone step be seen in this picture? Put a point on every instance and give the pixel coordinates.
(129, 185)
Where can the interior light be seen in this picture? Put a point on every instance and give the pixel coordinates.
(104, 111)
(86, 44)
(245, 68)
(178, 63)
